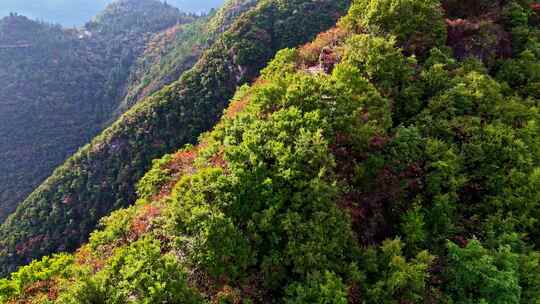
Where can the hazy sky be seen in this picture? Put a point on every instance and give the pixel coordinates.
(77, 12)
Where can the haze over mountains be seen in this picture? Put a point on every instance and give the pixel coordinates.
(71, 13)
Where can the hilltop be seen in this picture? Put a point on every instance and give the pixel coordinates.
(76, 13)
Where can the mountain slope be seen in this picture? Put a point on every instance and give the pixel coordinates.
(77, 12)
(175, 50)
(61, 87)
(360, 168)
(100, 177)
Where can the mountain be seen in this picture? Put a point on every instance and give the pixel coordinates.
(61, 87)
(177, 49)
(393, 159)
(75, 13)
(101, 177)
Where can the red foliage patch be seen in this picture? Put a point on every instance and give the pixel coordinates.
(328, 59)
(85, 257)
(218, 161)
(354, 295)
(28, 246)
(535, 7)
(181, 164)
(375, 210)
(483, 39)
(236, 107)
(67, 199)
(312, 53)
(142, 222)
(48, 287)
(377, 143)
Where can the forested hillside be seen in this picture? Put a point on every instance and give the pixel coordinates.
(101, 177)
(75, 13)
(61, 87)
(395, 159)
(177, 49)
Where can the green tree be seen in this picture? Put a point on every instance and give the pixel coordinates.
(480, 275)
(417, 25)
(318, 289)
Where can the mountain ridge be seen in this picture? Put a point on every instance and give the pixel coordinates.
(395, 158)
(47, 113)
(377, 164)
(106, 170)
(77, 13)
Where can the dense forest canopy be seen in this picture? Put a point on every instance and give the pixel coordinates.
(101, 177)
(75, 13)
(61, 87)
(394, 159)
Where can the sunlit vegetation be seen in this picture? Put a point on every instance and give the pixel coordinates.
(375, 174)
(101, 177)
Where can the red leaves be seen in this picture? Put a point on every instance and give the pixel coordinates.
(218, 160)
(142, 223)
(378, 142)
(181, 164)
(27, 247)
(375, 208)
(461, 241)
(236, 107)
(67, 200)
(354, 296)
(49, 287)
(535, 7)
(84, 256)
(328, 59)
(483, 38)
(312, 52)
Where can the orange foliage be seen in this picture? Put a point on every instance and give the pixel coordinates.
(161, 40)
(181, 164)
(229, 295)
(310, 52)
(183, 161)
(84, 257)
(218, 160)
(142, 223)
(236, 107)
(39, 289)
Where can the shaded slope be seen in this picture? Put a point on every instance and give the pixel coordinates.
(100, 177)
(173, 51)
(61, 87)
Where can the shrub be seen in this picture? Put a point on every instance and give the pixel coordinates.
(379, 60)
(318, 289)
(418, 25)
(391, 278)
(479, 275)
(138, 273)
(43, 271)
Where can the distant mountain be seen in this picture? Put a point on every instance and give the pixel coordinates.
(59, 87)
(77, 12)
